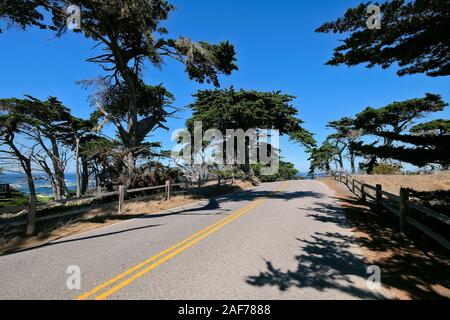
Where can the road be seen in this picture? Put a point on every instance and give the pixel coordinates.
(286, 240)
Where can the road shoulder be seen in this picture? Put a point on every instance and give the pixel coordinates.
(410, 270)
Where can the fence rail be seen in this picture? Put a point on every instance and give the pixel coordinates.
(168, 190)
(399, 205)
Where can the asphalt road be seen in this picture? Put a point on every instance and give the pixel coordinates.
(278, 241)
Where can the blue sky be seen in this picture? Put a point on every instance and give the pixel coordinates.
(277, 49)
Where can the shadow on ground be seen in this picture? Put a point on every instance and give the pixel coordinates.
(415, 267)
(326, 263)
(244, 196)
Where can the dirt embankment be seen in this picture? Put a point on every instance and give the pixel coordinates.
(412, 268)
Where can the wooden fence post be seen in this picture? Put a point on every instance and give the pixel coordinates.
(31, 221)
(121, 199)
(404, 198)
(347, 178)
(340, 176)
(363, 193)
(353, 186)
(168, 189)
(379, 198)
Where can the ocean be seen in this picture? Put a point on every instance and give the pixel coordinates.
(43, 187)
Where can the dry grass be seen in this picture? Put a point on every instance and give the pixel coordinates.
(393, 183)
(413, 268)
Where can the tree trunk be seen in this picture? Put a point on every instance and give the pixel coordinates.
(25, 163)
(371, 165)
(50, 175)
(341, 162)
(31, 219)
(130, 168)
(30, 181)
(77, 167)
(59, 171)
(84, 176)
(31, 223)
(352, 162)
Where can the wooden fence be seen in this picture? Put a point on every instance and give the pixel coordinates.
(399, 205)
(167, 191)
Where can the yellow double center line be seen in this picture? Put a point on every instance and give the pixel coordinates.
(164, 256)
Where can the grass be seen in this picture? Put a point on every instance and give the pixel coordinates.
(393, 183)
(18, 199)
(431, 191)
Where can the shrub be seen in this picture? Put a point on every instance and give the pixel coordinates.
(386, 169)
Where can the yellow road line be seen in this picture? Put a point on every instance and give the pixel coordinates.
(201, 235)
(172, 255)
(143, 264)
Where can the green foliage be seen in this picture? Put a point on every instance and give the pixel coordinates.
(130, 34)
(345, 134)
(433, 128)
(343, 126)
(322, 157)
(230, 109)
(286, 171)
(397, 116)
(421, 155)
(17, 199)
(386, 169)
(50, 117)
(413, 35)
(388, 124)
(21, 14)
(152, 104)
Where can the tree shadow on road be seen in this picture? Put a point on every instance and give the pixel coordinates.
(101, 235)
(326, 262)
(241, 197)
(414, 267)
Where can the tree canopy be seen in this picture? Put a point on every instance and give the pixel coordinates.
(130, 34)
(322, 157)
(231, 109)
(438, 127)
(390, 123)
(345, 134)
(398, 116)
(52, 132)
(412, 35)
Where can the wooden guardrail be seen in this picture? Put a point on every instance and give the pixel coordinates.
(168, 190)
(399, 205)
